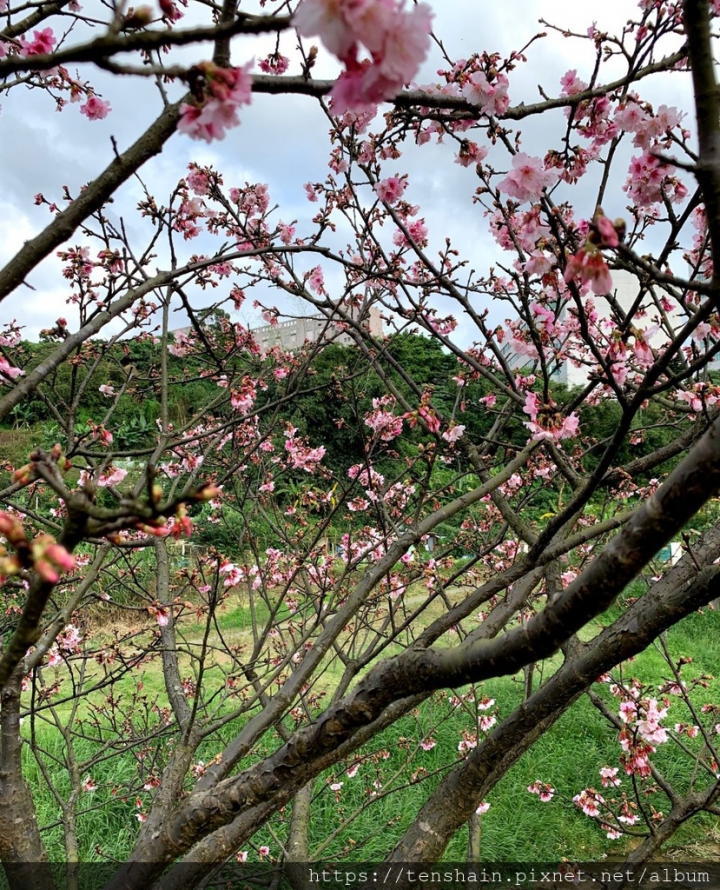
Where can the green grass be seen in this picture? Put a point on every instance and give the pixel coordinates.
(518, 826)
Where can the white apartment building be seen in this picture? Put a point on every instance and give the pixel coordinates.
(293, 333)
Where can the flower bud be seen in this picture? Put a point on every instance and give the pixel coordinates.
(24, 474)
(11, 528)
(138, 18)
(208, 492)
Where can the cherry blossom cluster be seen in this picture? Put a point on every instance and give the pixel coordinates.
(219, 94)
(42, 555)
(396, 39)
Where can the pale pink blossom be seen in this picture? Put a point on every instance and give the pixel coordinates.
(274, 64)
(396, 39)
(490, 97)
(227, 89)
(588, 801)
(181, 345)
(391, 189)
(608, 775)
(649, 728)
(487, 722)
(571, 83)
(111, 476)
(544, 791)
(316, 282)
(453, 434)
(470, 153)
(527, 179)
(7, 370)
(386, 425)
(589, 265)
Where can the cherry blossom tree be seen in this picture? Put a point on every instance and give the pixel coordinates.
(462, 518)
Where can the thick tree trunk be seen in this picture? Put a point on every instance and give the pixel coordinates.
(22, 851)
(679, 593)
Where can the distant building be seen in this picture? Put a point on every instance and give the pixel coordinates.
(293, 333)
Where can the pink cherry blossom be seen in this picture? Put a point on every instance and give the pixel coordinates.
(527, 179)
(649, 727)
(470, 153)
(170, 11)
(544, 791)
(181, 345)
(608, 775)
(161, 616)
(391, 189)
(642, 349)
(274, 64)
(417, 230)
(453, 434)
(326, 19)
(386, 425)
(571, 83)
(43, 42)
(487, 722)
(316, 282)
(588, 801)
(606, 230)
(300, 456)
(111, 476)
(491, 97)
(590, 266)
(227, 89)
(396, 39)
(7, 370)
(546, 423)
(95, 109)
(650, 179)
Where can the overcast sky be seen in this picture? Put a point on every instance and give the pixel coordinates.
(283, 140)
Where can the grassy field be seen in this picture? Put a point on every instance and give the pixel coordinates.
(379, 802)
